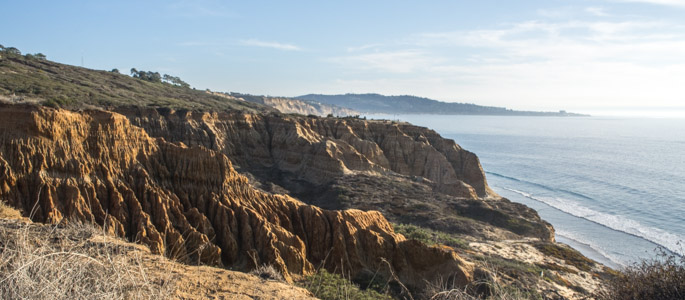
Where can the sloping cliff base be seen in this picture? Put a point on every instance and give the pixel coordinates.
(165, 178)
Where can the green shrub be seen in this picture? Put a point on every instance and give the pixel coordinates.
(330, 286)
(429, 236)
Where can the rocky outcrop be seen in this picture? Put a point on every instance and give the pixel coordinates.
(188, 202)
(296, 106)
(317, 150)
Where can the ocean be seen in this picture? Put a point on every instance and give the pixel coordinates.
(613, 188)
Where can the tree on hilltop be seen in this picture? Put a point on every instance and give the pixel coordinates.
(175, 81)
(11, 50)
(146, 75)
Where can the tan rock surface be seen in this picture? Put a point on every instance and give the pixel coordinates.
(188, 202)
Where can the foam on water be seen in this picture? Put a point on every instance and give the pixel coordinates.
(658, 236)
(577, 241)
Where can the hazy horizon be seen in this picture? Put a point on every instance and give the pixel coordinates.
(615, 57)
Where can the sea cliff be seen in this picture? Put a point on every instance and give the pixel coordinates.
(206, 179)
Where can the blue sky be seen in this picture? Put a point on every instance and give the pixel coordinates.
(581, 55)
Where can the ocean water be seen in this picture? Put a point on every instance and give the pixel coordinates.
(614, 188)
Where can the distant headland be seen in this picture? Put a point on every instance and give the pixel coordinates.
(376, 103)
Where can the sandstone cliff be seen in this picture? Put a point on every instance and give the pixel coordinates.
(189, 203)
(317, 150)
(320, 160)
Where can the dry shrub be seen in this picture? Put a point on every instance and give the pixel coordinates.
(487, 283)
(662, 278)
(495, 291)
(267, 272)
(71, 262)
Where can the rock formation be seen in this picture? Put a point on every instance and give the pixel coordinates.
(181, 196)
(317, 150)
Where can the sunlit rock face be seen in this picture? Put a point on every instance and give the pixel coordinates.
(317, 150)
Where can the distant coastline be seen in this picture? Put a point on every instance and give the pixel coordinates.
(405, 104)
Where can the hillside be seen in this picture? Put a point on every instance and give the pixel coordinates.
(380, 104)
(29, 79)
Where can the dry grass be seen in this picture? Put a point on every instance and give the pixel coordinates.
(662, 278)
(497, 290)
(71, 262)
(8, 212)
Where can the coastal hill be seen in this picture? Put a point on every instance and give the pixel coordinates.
(292, 106)
(380, 104)
(211, 180)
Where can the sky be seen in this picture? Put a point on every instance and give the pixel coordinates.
(576, 55)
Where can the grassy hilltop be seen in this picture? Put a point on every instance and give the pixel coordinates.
(32, 78)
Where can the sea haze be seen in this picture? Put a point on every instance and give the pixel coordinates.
(614, 188)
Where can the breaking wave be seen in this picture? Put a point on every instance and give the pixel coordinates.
(623, 224)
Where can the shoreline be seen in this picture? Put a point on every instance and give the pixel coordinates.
(588, 251)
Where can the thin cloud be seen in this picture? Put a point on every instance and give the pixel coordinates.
(272, 45)
(597, 11)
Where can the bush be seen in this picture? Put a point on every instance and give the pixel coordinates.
(429, 236)
(661, 278)
(330, 286)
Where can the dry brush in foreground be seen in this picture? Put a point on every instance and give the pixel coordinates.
(71, 262)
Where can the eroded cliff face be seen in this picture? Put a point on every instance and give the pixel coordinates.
(311, 158)
(317, 150)
(189, 203)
